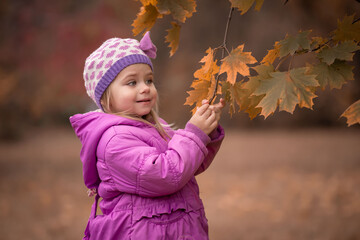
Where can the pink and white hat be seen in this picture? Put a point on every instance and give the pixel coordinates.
(115, 54)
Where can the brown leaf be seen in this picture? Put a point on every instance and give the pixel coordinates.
(347, 30)
(180, 9)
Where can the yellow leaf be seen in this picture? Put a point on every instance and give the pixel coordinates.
(180, 9)
(237, 62)
(244, 5)
(173, 37)
(145, 19)
(352, 114)
(347, 30)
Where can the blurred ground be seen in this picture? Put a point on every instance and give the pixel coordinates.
(299, 184)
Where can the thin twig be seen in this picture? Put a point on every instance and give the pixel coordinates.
(223, 46)
(281, 62)
(356, 20)
(291, 59)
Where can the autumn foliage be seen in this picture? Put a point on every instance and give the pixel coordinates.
(269, 88)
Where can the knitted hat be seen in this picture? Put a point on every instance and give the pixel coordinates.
(106, 62)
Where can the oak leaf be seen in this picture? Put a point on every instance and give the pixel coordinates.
(285, 90)
(145, 19)
(236, 62)
(180, 9)
(342, 51)
(292, 43)
(352, 113)
(347, 30)
(244, 5)
(334, 75)
(173, 37)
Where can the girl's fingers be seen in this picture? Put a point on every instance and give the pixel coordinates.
(207, 113)
(202, 109)
(204, 101)
(212, 117)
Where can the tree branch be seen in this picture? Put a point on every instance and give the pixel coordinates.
(356, 20)
(223, 46)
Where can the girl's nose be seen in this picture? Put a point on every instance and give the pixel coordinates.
(145, 88)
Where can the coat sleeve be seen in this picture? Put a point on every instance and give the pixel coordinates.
(213, 146)
(137, 167)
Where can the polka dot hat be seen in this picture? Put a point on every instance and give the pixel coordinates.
(115, 54)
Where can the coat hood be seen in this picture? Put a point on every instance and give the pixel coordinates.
(89, 128)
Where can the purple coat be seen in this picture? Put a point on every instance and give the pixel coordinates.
(146, 183)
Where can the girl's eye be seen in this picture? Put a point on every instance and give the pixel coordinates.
(131, 83)
(149, 81)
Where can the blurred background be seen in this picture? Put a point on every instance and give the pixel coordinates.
(287, 177)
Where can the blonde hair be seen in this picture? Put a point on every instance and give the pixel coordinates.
(152, 118)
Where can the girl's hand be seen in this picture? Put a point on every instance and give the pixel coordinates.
(207, 117)
(217, 108)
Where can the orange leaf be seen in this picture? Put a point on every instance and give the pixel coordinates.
(204, 85)
(272, 54)
(146, 2)
(209, 68)
(145, 19)
(237, 62)
(173, 37)
(200, 92)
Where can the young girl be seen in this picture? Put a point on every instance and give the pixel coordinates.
(142, 169)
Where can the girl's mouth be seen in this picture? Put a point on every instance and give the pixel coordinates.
(144, 101)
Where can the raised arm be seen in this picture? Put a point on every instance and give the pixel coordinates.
(134, 165)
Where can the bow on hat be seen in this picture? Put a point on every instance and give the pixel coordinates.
(147, 46)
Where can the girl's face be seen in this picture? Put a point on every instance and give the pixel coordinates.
(133, 91)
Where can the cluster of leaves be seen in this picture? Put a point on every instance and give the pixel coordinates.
(269, 89)
(151, 10)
